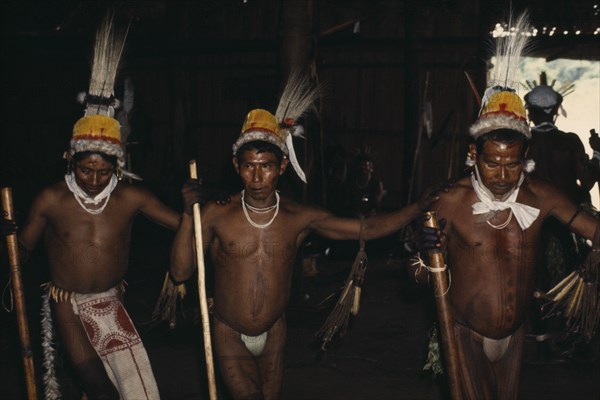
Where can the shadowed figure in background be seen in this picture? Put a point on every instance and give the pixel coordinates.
(363, 192)
(561, 161)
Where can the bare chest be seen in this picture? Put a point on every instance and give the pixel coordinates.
(71, 223)
(237, 239)
(499, 240)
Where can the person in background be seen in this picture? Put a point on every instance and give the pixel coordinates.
(364, 192)
(560, 160)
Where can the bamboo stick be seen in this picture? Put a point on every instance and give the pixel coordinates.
(566, 289)
(560, 285)
(210, 368)
(573, 303)
(356, 300)
(20, 309)
(440, 285)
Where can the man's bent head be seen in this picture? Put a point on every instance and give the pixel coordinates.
(500, 156)
(93, 171)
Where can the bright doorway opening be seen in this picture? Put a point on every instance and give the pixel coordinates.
(582, 106)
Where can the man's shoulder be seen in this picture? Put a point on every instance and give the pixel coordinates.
(215, 207)
(133, 193)
(458, 195)
(52, 197)
(568, 137)
(459, 188)
(131, 189)
(300, 211)
(294, 206)
(539, 188)
(54, 192)
(534, 183)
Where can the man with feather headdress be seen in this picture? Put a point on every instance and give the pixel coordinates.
(492, 235)
(253, 241)
(560, 159)
(85, 221)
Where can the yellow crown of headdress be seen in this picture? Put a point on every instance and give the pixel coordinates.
(501, 106)
(298, 96)
(98, 130)
(261, 125)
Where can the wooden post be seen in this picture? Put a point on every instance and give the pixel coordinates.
(17, 287)
(440, 290)
(210, 367)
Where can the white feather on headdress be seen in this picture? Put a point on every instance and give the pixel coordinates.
(508, 53)
(509, 50)
(299, 95)
(98, 130)
(107, 55)
(501, 107)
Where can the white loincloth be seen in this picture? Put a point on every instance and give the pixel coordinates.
(117, 343)
(494, 349)
(255, 344)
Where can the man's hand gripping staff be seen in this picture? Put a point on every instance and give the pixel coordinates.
(437, 269)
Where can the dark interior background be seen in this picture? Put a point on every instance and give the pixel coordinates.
(199, 66)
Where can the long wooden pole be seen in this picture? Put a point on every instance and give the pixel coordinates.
(210, 368)
(18, 293)
(440, 290)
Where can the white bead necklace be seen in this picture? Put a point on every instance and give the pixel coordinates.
(504, 224)
(261, 211)
(82, 195)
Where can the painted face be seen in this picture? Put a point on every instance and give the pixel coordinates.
(93, 174)
(500, 166)
(259, 173)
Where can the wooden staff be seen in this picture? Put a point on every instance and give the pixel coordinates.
(17, 287)
(440, 289)
(210, 368)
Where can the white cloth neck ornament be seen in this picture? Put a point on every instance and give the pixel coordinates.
(261, 211)
(82, 197)
(524, 214)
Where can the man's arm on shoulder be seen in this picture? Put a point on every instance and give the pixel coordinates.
(330, 226)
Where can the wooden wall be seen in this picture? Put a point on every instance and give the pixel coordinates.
(198, 67)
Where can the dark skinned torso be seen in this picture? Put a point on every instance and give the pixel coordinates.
(89, 253)
(492, 270)
(254, 264)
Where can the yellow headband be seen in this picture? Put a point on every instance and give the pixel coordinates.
(97, 127)
(503, 109)
(262, 125)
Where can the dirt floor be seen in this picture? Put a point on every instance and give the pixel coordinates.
(381, 356)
